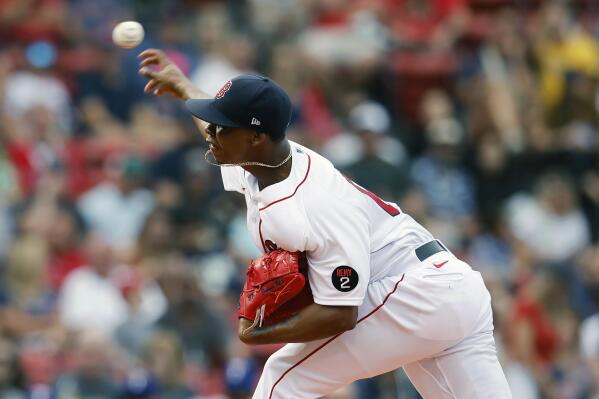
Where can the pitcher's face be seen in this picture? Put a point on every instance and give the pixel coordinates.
(229, 145)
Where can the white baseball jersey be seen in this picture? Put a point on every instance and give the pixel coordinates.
(432, 317)
(337, 222)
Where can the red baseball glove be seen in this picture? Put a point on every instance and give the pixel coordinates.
(277, 286)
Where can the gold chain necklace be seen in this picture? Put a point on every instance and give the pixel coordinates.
(248, 163)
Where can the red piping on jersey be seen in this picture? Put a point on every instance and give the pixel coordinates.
(295, 191)
(390, 209)
(333, 338)
(261, 239)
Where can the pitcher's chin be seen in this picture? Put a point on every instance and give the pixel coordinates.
(211, 157)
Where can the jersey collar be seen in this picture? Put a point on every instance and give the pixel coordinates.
(285, 187)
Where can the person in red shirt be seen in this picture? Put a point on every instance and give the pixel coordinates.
(434, 24)
(531, 330)
(30, 20)
(64, 242)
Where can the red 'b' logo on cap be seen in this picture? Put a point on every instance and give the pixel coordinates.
(224, 89)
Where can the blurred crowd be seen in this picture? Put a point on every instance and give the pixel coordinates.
(121, 258)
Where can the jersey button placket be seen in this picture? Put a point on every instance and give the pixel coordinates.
(254, 213)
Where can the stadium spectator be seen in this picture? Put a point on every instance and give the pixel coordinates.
(91, 376)
(10, 386)
(28, 302)
(25, 21)
(538, 221)
(429, 24)
(379, 159)
(563, 49)
(38, 85)
(164, 358)
(89, 297)
(203, 333)
(116, 209)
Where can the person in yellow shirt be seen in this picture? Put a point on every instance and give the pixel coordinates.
(562, 47)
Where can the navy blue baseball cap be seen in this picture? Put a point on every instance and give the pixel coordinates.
(248, 101)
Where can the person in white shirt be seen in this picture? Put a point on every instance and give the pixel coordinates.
(92, 298)
(540, 220)
(117, 209)
(386, 293)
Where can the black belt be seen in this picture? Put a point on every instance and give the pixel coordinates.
(429, 249)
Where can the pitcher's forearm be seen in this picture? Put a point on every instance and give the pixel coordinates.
(311, 323)
(189, 91)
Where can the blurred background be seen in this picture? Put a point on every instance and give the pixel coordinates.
(121, 258)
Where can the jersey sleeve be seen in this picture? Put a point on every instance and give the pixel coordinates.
(338, 253)
(233, 178)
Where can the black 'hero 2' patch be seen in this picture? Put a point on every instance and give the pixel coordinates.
(345, 278)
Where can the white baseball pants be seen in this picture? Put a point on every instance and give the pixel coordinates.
(436, 322)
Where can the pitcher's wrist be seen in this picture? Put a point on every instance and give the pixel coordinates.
(185, 89)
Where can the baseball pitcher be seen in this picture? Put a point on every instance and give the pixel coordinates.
(353, 285)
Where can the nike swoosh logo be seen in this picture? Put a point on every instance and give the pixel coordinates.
(439, 265)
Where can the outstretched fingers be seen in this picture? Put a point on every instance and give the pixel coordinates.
(148, 61)
(152, 57)
(151, 52)
(150, 86)
(148, 73)
(161, 80)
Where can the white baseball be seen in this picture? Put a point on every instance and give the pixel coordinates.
(128, 34)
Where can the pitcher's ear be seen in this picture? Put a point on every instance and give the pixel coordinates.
(258, 138)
